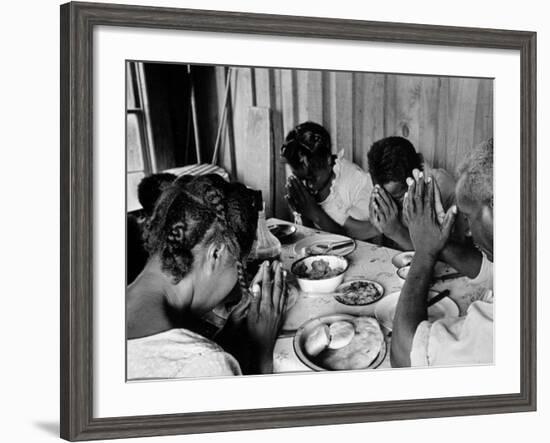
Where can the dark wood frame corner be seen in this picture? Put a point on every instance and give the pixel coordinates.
(77, 23)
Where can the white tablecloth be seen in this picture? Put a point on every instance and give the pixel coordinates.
(367, 261)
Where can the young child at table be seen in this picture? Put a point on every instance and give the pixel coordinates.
(391, 161)
(199, 233)
(328, 191)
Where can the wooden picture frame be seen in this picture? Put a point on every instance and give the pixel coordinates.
(77, 23)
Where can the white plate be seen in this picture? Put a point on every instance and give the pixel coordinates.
(344, 286)
(305, 330)
(303, 247)
(441, 269)
(385, 309)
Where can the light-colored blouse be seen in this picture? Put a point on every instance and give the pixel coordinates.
(485, 276)
(349, 193)
(466, 340)
(177, 353)
(459, 340)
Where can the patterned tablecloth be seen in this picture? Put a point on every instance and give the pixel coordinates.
(367, 261)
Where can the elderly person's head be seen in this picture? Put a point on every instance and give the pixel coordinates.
(474, 192)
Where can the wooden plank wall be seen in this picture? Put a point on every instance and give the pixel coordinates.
(443, 117)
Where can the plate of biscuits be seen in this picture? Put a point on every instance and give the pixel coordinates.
(340, 342)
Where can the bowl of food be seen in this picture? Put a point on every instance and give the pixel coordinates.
(403, 272)
(340, 342)
(283, 231)
(402, 259)
(320, 273)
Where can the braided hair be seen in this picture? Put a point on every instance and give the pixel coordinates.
(243, 223)
(307, 146)
(201, 210)
(392, 159)
(150, 188)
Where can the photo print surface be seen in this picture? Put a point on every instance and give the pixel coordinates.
(284, 220)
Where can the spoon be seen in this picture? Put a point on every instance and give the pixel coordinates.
(439, 297)
(323, 248)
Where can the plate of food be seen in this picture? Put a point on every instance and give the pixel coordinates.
(283, 231)
(340, 342)
(321, 244)
(385, 309)
(320, 273)
(359, 292)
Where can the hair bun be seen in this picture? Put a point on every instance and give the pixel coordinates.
(177, 232)
(215, 199)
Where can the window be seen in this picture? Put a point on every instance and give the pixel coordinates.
(140, 160)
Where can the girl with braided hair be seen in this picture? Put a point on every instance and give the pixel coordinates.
(200, 231)
(327, 190)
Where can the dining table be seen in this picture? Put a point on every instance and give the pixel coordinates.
(367, 261)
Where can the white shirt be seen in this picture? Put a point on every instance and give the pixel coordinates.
(177, 353)
(485, 276)
(465, 340)
(459, 340)
(349, 193)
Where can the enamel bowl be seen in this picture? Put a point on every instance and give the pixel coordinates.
(322, 285)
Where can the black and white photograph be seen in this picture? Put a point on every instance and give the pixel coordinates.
(286, 220)
(241, 221)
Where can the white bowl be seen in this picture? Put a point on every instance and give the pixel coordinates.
(402, 259)
(403, 272)
(323, 285)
